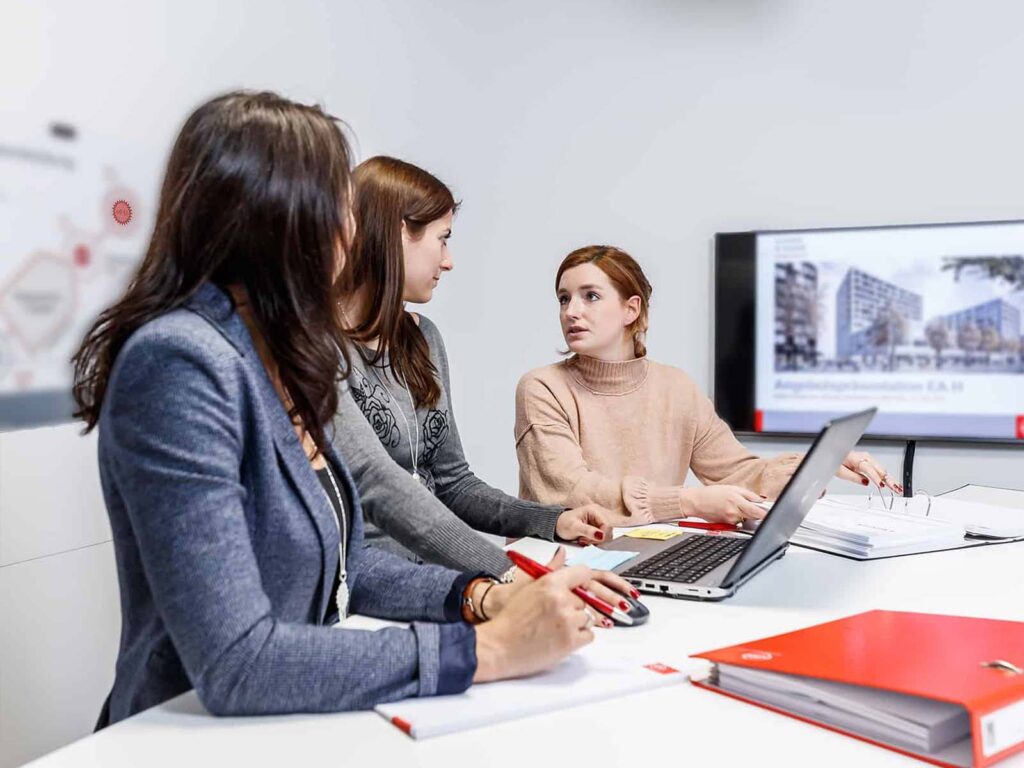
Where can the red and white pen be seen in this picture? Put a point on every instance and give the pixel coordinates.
(707, 526)
(535, 570)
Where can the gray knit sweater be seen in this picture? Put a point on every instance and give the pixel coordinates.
(432, 519)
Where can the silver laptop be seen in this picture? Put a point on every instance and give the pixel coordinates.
(712, 566)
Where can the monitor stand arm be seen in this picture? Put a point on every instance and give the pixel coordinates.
(908, 468)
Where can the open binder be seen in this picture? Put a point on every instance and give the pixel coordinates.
(948, 690)
(869, 528)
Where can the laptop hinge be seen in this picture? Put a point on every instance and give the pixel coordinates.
(727, 583)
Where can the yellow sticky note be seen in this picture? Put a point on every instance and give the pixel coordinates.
(659, 534)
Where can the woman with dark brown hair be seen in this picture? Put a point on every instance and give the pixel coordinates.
(400, 382)
(236, 526)
(612, 427)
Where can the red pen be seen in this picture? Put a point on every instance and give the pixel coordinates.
(707, 526)
(535, 570)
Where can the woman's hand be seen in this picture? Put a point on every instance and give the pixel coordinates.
(611, 588)
(861, 467)
(722, 503)
(500, 595)
(605, 584)
(584, 525)
(541, 624)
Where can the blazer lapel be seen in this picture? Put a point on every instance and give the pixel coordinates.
(213, 304)
(297, 467)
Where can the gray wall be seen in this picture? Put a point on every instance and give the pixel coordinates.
(650, 125)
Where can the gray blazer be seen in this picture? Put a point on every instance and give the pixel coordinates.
(227, 546)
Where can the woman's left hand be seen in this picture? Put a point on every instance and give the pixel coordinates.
(583, 525)
(605, 585)
(861, 467)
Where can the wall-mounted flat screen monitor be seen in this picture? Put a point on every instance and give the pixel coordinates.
(925, 322)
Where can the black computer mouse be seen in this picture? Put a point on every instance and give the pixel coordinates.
(637, 612)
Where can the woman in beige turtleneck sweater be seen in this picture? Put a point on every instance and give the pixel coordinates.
(611, 427)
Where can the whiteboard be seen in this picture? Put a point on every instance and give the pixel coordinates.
(75, 218)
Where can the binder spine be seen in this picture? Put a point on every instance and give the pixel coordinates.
(998, 733)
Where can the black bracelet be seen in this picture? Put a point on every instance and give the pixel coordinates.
(483, 614)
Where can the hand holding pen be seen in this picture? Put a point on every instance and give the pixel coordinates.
(536, 571)
(542, 623)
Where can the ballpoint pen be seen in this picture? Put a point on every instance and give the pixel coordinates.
(535, 570)
(707, 526)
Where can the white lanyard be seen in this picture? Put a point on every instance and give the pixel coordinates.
(341, 596)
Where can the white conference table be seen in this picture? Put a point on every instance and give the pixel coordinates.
(678, 725)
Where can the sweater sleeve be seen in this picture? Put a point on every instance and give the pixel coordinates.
(719, 458)
(403, 508)
(483, 506)
(552, 468)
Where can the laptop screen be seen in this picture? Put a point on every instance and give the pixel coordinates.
(836, 439)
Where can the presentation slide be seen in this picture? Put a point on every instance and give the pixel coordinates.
(75, 223)
(922, 322)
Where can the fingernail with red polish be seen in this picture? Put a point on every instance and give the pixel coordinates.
(634, 593)
(599, 535)
(606, 623)
(863, 481)
(623, 605)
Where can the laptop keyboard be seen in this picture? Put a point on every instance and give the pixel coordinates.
(689, 560)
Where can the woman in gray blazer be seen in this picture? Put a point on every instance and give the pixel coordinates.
(237, 528)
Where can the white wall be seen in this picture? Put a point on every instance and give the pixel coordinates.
(649, 125)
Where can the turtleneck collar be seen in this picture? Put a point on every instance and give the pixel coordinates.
(609, 378)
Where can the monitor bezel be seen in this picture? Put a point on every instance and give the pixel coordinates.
(746, 429)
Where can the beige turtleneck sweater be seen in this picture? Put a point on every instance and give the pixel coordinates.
(623, 435)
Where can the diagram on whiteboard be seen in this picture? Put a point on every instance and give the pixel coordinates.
(75, 216)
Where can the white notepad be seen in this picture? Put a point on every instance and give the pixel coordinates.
(591, 674)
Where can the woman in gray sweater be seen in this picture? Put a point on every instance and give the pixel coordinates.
(427, 502)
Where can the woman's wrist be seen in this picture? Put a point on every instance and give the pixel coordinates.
(688, 502)
(489, 656)
(560, 519)
(496, 598)
(471, 595)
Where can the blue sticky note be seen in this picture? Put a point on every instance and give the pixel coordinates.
(599, 559)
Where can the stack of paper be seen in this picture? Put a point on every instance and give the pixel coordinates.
(853, 530)
(923, 724)
(593, 673)
(981, 520)
(1010, 498)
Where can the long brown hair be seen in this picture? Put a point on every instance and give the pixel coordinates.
(256, 194)
(627, 277)
(389, 192)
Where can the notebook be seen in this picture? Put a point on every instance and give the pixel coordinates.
(591, 674)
